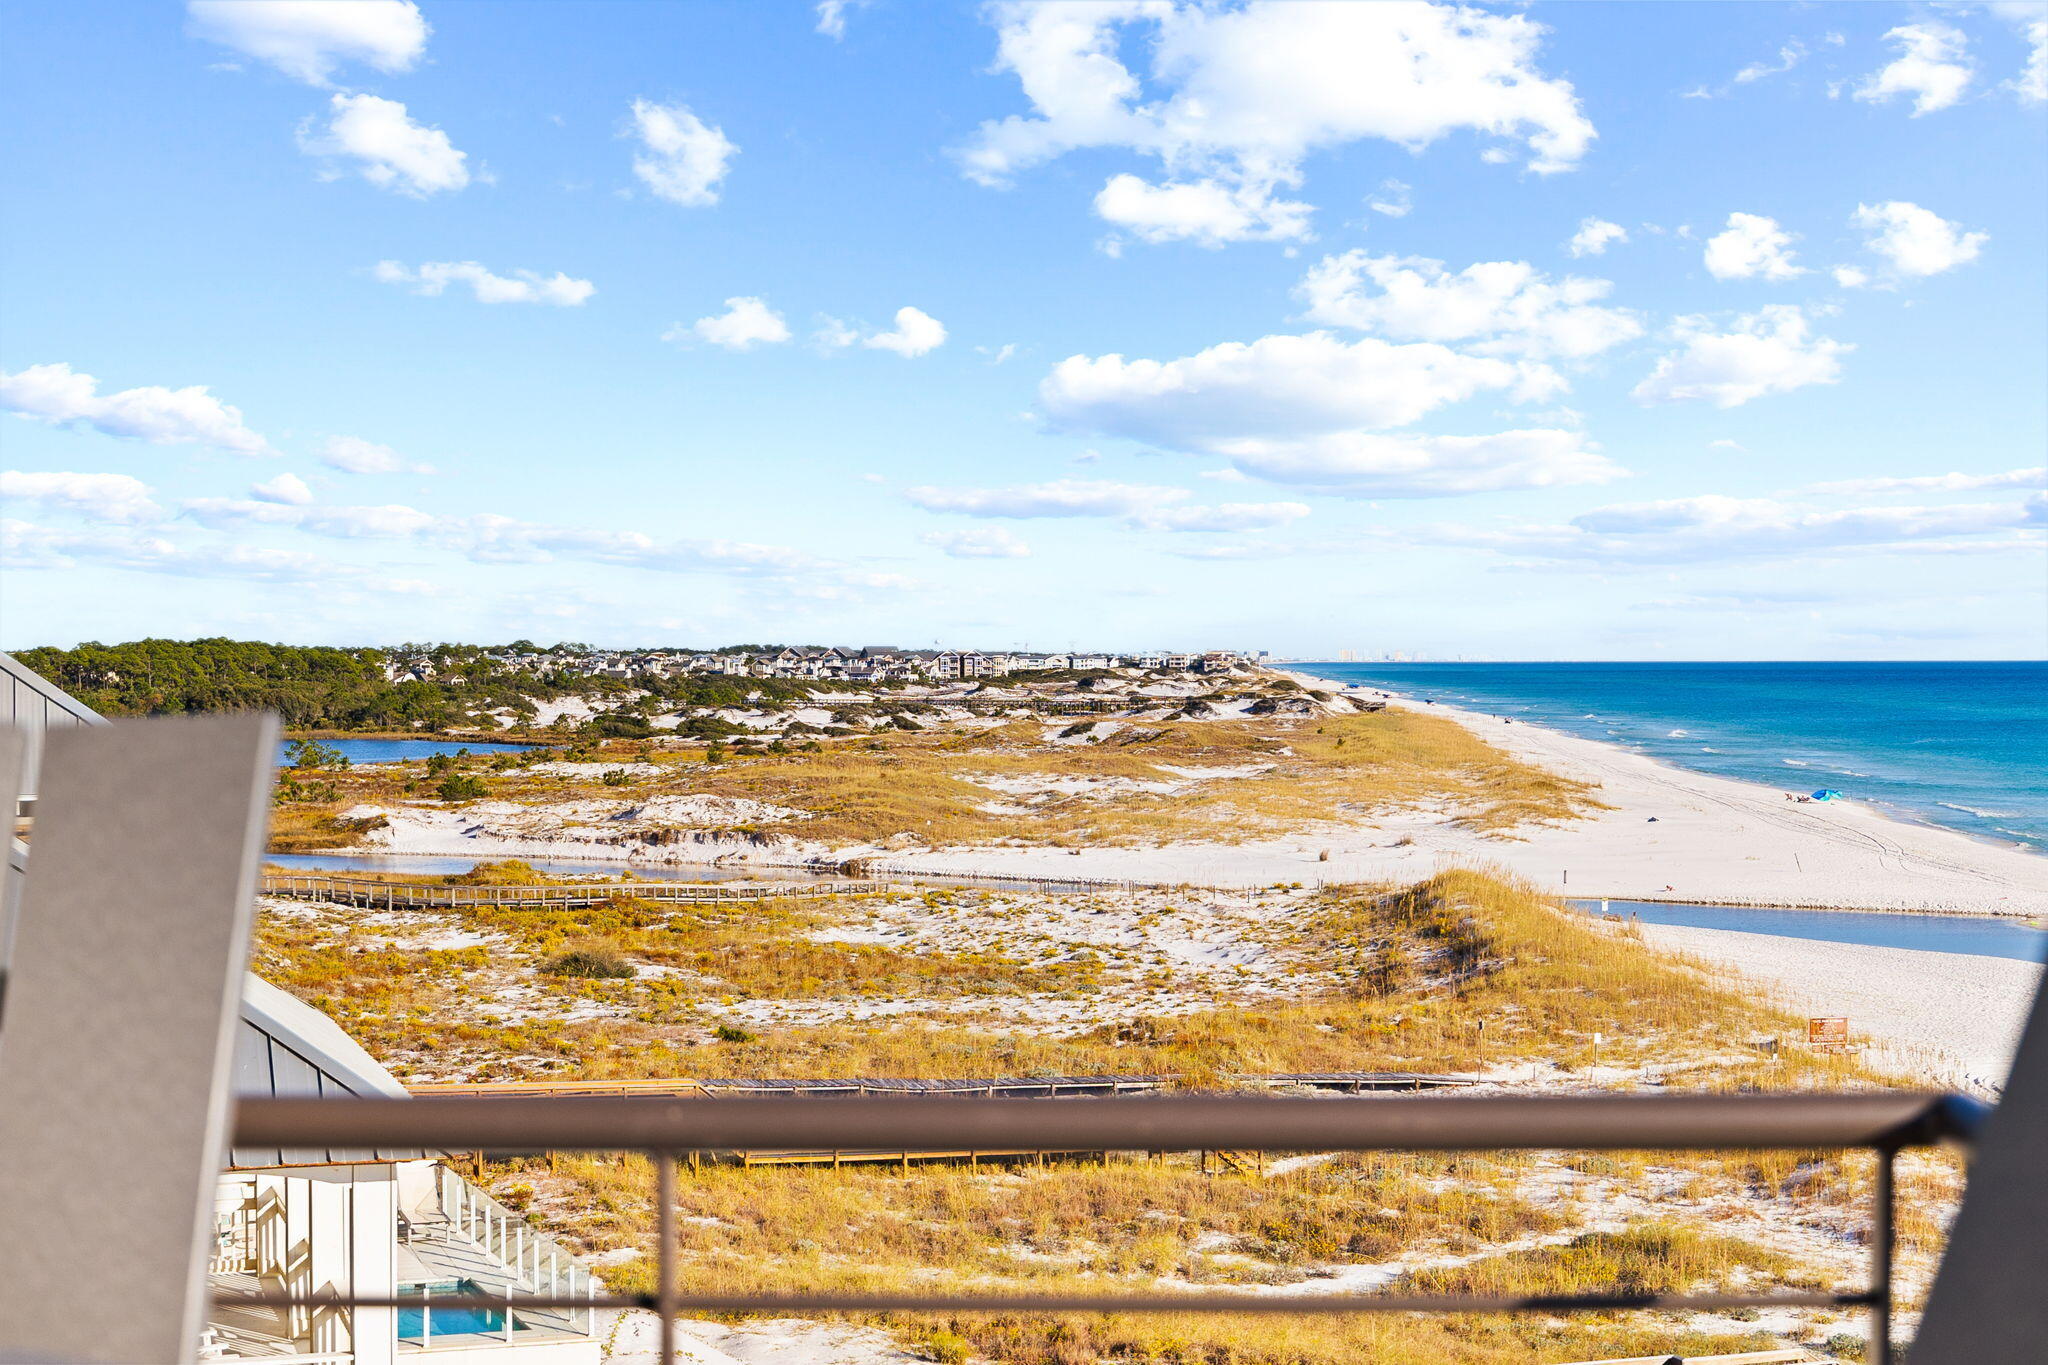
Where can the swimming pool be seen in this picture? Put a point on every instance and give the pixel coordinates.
(454, 1320)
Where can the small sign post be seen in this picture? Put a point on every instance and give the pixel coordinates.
(1828, 1031)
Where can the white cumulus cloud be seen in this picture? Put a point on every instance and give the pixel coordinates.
(2031, 85)
(390, 150)
(97, 497)
(354, 455)
(1210, 213)
(1234, 100)
(1277, 385)
(1307, 410)
(1916, 242)
(1503, 307)
(987, 542)
(1752, 246)
(916, 333)
(746, 323)
(287, 489)
(1933, 67)
(1769, 351)
(60, 396)
(1595, 235)
(308, 39)
(521, 286)
(682, 158)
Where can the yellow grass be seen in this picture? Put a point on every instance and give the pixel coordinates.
(921, 785)
(1397, 979)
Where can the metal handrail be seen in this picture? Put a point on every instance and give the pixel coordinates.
(662, 1126)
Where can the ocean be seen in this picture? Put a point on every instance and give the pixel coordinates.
(1963, 745)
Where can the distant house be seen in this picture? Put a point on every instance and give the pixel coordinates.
(964, 663)
(1079, 661)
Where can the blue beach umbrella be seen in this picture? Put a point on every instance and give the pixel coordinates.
(1827, 794)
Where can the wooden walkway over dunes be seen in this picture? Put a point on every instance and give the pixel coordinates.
(1010, 1087)
(373, 894)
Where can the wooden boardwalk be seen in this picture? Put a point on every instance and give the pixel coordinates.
(414, 896)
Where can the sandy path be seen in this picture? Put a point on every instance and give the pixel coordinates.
(1952, 1017)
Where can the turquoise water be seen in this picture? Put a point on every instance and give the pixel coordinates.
(451, 1321)
(2024, 940)
(1963, 745)
(398, 750)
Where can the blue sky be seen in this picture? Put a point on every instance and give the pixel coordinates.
(1601, 331)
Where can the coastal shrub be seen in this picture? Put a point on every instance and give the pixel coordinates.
(1650, 1258)
(948, 1347)
(461, 787)
(305, 754)
(727, 1033)
(617, 777)
(591, 960)
(510, 872)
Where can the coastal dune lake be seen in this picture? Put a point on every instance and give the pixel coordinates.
(398, 750)
(1962, 745)
(1979, 936)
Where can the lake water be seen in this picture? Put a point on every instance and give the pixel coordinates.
(1981, 936)
(1963, 745)
(398, 750)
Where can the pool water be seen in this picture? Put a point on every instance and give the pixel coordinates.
(453, 1320)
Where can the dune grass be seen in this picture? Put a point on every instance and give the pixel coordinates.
(1148, 1227)
(922, 786)
(1488, 972)
(1396, 979)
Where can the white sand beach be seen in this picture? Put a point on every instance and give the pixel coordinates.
(1953, 1018)
(1713, 840)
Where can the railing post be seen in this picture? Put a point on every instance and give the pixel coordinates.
(426, 1315)
(508, 1315)
(1882, 1234)
(665, 1223)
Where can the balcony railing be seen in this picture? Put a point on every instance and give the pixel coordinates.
(662, 1128)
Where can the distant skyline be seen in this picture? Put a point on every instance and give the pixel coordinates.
(1624, 331)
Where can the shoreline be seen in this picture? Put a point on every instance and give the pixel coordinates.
(1904, 815)
(1870, 859)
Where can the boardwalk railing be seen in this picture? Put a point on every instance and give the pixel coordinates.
(417, 896)
(880, 877)
(660, 1127)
